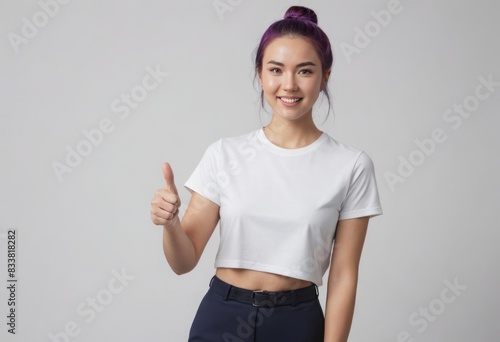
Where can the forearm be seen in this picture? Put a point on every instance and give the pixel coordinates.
(340, 309)
(178, 248)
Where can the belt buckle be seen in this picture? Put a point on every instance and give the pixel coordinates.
(253, 297)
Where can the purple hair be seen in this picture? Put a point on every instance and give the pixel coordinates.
(303, 22)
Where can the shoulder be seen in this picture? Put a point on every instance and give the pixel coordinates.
(237, 140)
(347, 153)
(232, 144)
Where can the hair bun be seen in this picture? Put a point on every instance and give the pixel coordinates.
(300, 12)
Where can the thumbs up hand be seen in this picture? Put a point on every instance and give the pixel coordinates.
(166, 202)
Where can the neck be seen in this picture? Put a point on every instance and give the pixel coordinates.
(292, 134)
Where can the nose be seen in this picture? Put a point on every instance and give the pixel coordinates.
(289, 82)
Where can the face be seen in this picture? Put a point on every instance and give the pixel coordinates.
(291, 77)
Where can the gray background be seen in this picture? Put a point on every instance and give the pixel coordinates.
(440, 225)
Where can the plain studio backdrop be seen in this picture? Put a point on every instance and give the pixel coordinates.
(96, 95)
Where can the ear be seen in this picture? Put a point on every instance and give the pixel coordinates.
(259, 75)
(326, 76)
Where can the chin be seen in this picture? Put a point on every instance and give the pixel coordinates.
(292, 116)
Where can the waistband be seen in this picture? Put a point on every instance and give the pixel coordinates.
(263, 298)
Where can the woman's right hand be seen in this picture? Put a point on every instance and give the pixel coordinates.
(183, 242)
(166, 202)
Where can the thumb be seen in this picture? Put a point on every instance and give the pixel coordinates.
(168, 175)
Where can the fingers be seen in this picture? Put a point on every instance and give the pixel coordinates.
(164, 207)
(168, 197)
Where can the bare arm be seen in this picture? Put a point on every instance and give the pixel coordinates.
(183, 242)
(343, 278)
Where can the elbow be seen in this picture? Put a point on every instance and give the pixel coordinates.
(179, 272)
(182, 269)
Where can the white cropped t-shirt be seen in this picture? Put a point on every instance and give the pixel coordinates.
(279, 207)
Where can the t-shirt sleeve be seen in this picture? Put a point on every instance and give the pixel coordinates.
(362, 198)
(203, 180)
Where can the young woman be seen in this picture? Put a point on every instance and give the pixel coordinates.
(283, 194)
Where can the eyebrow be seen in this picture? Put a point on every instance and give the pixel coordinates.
(298, 65)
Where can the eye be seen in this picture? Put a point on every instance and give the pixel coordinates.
(305, 72)
(275, 70)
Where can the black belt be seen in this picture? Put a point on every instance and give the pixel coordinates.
(263, 298)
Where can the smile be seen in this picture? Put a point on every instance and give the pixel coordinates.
(290, 100)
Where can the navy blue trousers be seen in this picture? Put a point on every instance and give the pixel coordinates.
(219, 319)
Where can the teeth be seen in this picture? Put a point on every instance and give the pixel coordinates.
(289, 100)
